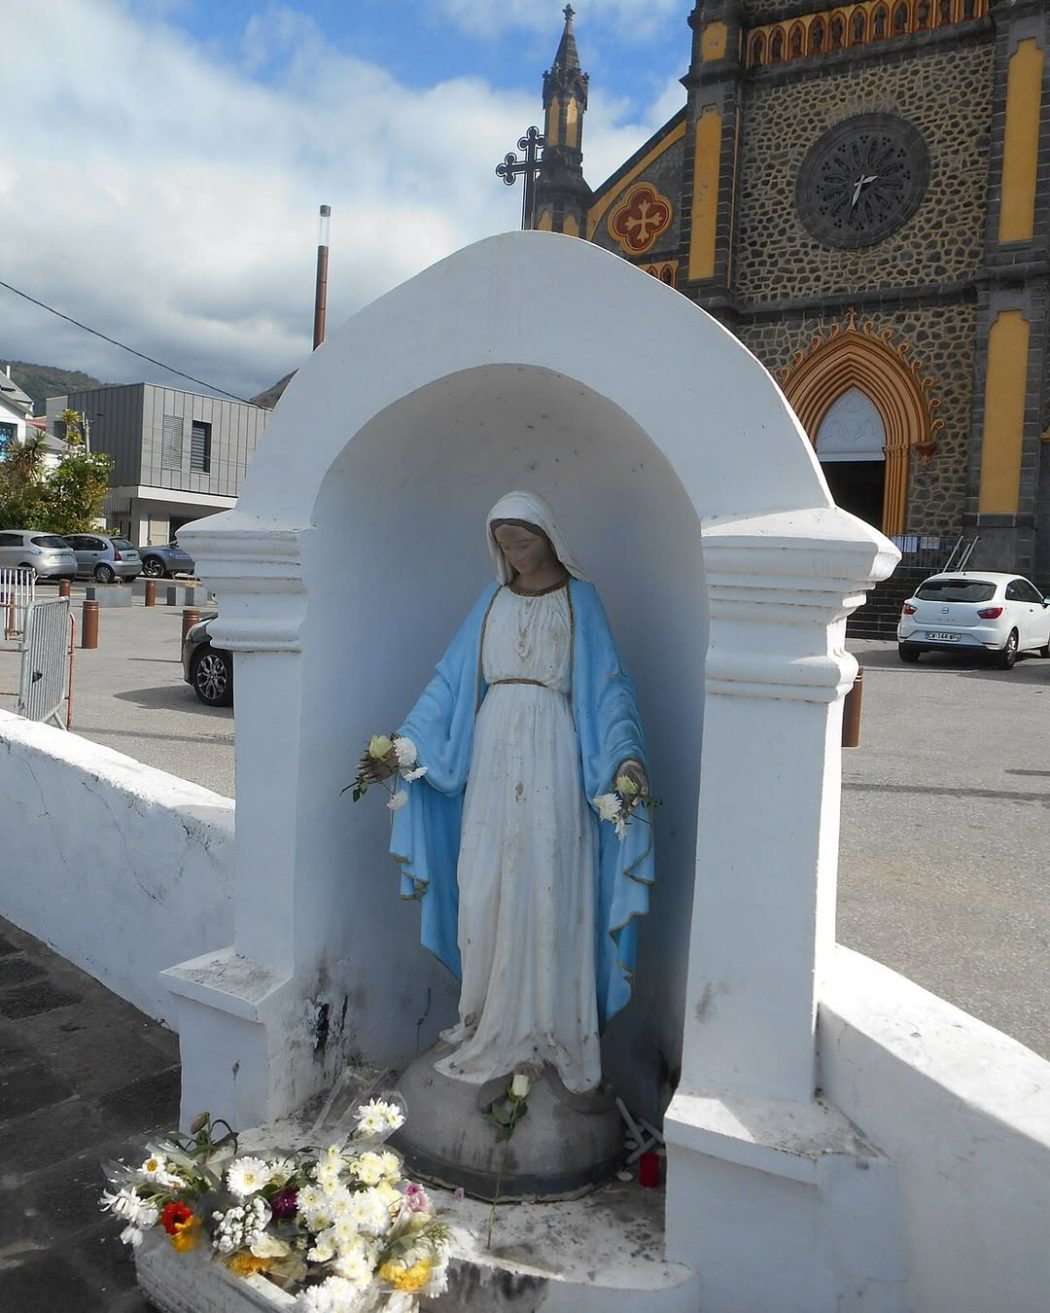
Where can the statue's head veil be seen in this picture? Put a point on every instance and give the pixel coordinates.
(532, 509)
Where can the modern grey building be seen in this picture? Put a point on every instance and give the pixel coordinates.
(177, 455)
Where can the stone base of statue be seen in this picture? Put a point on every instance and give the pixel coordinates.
(564, 1146)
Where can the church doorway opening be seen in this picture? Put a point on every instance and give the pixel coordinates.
(851, 448)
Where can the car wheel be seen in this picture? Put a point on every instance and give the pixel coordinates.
(907, 652)
(213, 677)
(153, 567)
(1006, 658)
(105, 574)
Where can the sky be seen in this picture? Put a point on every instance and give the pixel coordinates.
(165, 160)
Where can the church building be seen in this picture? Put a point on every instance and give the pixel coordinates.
(860, 192)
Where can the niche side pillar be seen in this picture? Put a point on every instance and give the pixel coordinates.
(762, 1173)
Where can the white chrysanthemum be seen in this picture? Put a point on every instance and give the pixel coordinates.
(437, 1282)
(132, 1236)
(324, 1247)
(339, 1202)
(314, 1207)
(156, 1170)
(397, 801)
(391, 1166)
(378, 1117)
(368, 1169)
(280, 1170)
(412, 775)
(407, 756)
(336, 1295)
(608, 805)
(246, 1175)
(353, 1264)
(369, 1211)
(389, 1193)
(131, 1207)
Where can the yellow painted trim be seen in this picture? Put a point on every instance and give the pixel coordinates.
(713, 41)
(706, 175)
(572, 124)
(1004, 399)
(571, 228)
(1024, 86)
(601, 206)
(545, 222)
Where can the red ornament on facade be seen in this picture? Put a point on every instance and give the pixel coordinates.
(640, 219)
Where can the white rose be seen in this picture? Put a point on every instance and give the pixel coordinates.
(378, 746)
(519, 1086)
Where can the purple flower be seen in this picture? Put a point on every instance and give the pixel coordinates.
(416, 1198)
(285, 1203)
(459, 1194)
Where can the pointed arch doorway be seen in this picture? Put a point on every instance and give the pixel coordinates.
(851, 447)
(864, 405)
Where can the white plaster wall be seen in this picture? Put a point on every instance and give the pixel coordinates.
(123, 869)
(963, 1111)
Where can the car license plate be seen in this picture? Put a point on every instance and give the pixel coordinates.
(941, 636)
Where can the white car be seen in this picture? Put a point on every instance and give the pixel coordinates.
(975, 611)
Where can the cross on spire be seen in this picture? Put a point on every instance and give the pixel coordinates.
(532, 143)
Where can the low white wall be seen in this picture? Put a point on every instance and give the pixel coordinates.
(122, 869)
(964, 1113)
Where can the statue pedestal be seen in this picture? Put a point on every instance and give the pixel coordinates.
(565, 1145)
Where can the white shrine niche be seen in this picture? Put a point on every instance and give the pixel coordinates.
(695, 502)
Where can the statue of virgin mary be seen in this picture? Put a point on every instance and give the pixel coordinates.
(526, 895)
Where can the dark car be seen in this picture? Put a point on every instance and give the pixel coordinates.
(209, 669)
(157, 562)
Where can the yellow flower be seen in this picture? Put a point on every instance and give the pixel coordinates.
(626, 786)
(187, 1235)
(246, 1264)
(410, 1279)
(378, 746)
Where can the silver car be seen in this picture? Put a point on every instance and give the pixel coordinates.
(48, 555)
(104, 559)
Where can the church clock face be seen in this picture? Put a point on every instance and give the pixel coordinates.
(862, 180)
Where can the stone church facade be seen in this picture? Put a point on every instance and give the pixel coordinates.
(860, 192)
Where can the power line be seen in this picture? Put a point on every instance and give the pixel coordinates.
(123, 346)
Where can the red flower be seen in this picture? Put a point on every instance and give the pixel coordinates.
(174, 1217)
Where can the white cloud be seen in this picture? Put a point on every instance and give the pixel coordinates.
(169, 197)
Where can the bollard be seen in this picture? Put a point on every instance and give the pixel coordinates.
(151, 592)
(64, 588)
(89, 624)
(851, 712)
(190, 616)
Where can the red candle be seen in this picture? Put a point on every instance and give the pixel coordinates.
(649, 1170)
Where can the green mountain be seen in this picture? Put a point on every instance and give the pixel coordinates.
(43, 381)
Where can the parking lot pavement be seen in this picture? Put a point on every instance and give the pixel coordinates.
(128, 693)
(945, 804)
(945, 829)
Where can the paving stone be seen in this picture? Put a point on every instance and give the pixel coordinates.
(105, 1260)
(30, 1000)
(32, 1143)
(29, 1087)
(66, 1196)
(48, 1283)
(13, 1047)
(151, 1104)
(15, 968)
(103, 1056)
(7, 945)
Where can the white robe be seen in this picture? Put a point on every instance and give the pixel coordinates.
(528, 856)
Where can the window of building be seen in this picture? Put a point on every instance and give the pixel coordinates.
(171, 442)
(200, 446)
(8, 433)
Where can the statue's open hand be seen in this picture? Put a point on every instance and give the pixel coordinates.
(633, 771)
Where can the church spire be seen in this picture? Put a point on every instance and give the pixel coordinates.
(562, 196)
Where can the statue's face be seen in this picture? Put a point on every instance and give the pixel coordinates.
(526, 553)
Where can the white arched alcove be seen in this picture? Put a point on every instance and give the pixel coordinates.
(695, 501)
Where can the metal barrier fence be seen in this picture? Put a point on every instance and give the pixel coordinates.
(935, 551)
(47, 663)
(17, 592)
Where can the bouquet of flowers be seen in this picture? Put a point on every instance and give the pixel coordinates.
(618, 806)
(339, 1228)
(387, 757)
